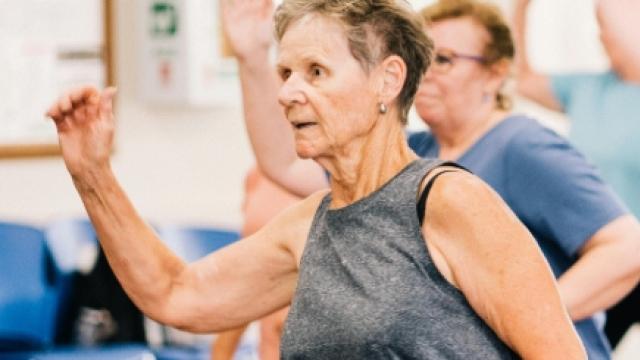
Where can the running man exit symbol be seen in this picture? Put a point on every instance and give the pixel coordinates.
(164, 19)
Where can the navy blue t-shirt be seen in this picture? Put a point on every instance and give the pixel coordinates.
(552, 189)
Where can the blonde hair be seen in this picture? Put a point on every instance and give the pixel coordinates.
(374, 29)
(489, 16)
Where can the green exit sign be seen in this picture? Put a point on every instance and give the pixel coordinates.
(164, 19)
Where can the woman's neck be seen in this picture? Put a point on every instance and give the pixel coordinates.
(368, 162)
(456, 137)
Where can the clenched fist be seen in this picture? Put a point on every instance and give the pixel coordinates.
(85, 124)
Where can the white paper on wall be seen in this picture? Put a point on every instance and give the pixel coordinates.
(47, 47)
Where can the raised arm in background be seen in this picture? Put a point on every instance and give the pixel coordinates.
(249, 28)
(222, 290)
(530, 83)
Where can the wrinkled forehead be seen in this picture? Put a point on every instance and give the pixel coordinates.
(312, 34)
(459, 33)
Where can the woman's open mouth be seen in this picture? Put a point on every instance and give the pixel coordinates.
(303, 124)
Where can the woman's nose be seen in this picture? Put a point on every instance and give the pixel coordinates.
(291, 91)
(428, 74)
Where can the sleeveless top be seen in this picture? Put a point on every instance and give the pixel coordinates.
(368, 288)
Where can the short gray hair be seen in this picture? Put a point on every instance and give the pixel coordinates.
(374, 29)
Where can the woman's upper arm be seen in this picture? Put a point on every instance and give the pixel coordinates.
(498, 266)
(245, 280)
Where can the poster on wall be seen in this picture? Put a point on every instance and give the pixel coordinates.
(47, 48)
(182, 58)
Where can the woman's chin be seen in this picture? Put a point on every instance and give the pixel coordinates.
(305, 151)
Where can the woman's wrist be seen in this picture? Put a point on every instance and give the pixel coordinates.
(92, 177)
(256, 60)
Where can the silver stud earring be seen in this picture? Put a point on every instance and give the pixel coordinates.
(382, 108)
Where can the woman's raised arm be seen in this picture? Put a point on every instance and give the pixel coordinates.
(227, 288)
(249, 27)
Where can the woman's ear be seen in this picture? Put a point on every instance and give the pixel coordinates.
(498, 72)
(393, 72)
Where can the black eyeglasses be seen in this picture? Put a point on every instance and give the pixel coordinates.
(444, 60)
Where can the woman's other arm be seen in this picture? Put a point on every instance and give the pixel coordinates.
(481, 248)
(249, 27)
(530, 83)
(592, 284)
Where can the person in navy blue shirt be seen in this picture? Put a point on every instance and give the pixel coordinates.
(580, 224)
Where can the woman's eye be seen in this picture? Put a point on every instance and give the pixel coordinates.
(316, 71)
(442, 59)
(284, 74)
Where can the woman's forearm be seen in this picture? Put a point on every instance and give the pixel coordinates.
(595, 283)
(268, 131)
(141, 262)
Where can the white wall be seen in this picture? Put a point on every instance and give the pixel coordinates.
(185, 165)
(177, 165)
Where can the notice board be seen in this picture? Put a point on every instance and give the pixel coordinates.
(46, 48)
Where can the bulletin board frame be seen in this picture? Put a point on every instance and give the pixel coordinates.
(29, 149)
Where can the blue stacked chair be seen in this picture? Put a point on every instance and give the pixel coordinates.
(65, 237)
(73, 247)
(193, 243)
(29, 289)
(36, 277)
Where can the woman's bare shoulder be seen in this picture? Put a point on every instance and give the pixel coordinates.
(291, 227)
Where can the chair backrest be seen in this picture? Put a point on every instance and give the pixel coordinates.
(74, 247)
(73, 244)
(192, 243)
(28, 293)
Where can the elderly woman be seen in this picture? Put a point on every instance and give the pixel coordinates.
(371, 271)
(580, 225)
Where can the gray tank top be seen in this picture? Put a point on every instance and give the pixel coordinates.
(368, 288)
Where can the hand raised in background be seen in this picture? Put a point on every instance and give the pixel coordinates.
(85, 124)
(249, 26)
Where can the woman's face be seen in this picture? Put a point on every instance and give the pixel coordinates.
(456, 81)
(327, 96)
